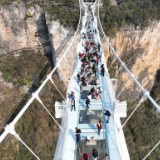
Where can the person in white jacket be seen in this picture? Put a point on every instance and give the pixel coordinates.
(73, 104)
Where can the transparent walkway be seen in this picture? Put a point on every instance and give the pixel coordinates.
(85, 147)
(86, 120)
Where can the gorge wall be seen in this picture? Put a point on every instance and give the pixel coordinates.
(27, 28)
(139, 49)
(23, 28)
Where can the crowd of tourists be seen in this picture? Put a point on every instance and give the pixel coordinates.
(89, 76)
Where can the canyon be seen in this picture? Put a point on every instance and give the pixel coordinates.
(139, 50)
(32, 30)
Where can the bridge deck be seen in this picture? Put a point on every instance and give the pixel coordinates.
(77, 118)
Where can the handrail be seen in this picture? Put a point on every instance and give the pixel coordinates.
(145, 93)
(62, 139)
(36, 94)
(123, 64)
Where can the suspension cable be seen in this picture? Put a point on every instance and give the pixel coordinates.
(57, 88)
(112, 63)
(13, 132)
(118, 71)
(134, 110)
(63, 72)
(151, 150)
(123, 87)
(39, 100)
(28, 148)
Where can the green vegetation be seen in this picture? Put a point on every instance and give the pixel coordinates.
(17, 2)
(142, 130)
(138, 12)
(5, 92)
(23, 95)
(23, 81)
(36, 128)
(29, 6)
(67, 11)
(39, 82)
(22, 69)
(29, 15)
(114, 67)
(2, 2)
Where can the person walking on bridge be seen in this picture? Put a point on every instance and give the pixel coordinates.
(108, 114)
(85, 156)
(78, 135)
(99, 127)
(73, 104)
(94, 154)
(99, 47)
(87, 103)
(102, 70)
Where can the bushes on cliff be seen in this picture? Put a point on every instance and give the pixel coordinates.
(65, 11)
(142, 130)
(127, 11)
(22, 69)
(29, 15)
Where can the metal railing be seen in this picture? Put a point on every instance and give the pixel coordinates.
(123, 66)
(63, 128)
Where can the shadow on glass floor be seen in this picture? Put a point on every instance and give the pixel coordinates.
(86, 147)
(90, 116)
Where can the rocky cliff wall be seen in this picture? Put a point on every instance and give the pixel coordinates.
(22, 28)
(17, 31)
(140, 50)
(61, 38)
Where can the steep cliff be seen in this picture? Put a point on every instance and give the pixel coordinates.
(139, 50)
(26, 56)
(25, 28)
(31, 29)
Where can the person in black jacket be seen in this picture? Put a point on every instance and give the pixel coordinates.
(95, 154)
(78, 135)
(107, 113)
(102, 70)
(99, 47)
(87, 103)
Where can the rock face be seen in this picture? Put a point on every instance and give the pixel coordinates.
(22, 28)
(62, 38)
(17, 31)
(140, 50)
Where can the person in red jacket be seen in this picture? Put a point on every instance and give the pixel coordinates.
(99, 126)
(87, 43)
(97, 60)
(85, 156)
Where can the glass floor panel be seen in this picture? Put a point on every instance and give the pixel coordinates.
(85, 94)
(86, 147)
(90, 116)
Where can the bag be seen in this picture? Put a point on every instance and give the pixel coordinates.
(70, 96)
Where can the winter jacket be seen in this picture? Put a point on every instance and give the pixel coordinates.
(87, 101)
(85, 155)
(99, 126)
(95, 154)
(107, 113)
